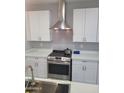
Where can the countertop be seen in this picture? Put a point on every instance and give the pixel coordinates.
(86, 55)
(75, 87)
(83, 88)
(38, 52)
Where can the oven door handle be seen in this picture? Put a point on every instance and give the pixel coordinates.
(59, 63)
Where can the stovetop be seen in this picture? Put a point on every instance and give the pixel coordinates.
(59, 53)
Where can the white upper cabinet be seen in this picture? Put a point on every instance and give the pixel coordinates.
(78, 25)
(45, 25)
(85, 25)
(91, 24)
(34, 22)
(38, 25)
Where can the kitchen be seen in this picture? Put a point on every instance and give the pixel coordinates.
(68, 57)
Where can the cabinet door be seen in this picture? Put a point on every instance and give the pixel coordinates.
(34, 22)
(44, 25)
(35, 66)
(77, 71)
(29, 61)
(90, 75)
(39, 25)
(78, 25)
(91, 24)
(33, 62)
(42, 68)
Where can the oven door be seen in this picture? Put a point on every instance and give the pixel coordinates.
(59, 70)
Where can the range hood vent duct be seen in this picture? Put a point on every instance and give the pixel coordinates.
(61, 24)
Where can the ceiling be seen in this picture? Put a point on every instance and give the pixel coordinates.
(51, 1)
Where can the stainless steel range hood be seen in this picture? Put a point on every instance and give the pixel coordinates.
(61, 24)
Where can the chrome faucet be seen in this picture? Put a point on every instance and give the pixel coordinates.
(32, 74)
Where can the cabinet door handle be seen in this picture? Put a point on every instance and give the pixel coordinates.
(85, 68)
(82, 68)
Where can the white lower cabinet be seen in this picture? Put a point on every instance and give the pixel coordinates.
(30, 61)
(42, 68)
(84, 71)
(39, 66)
(77, 71)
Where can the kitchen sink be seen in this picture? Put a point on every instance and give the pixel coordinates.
(45, 87)
(40, 87)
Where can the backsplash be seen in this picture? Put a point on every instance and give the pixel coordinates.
(62, 40)
(77, 45)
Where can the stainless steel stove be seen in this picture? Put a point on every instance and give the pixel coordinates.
(60, 64)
